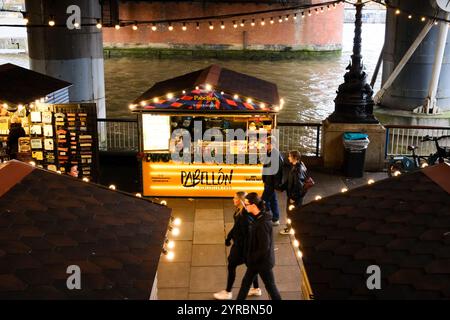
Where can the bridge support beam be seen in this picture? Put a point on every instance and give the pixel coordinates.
(74, 55)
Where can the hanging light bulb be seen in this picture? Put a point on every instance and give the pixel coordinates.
(208, 87)
(410, 16)
(309, 13)
(424, 165)
(295, 16)
(177, 222)
(85, 179)
(170, 26)
(317, 11)
(280, 19)
(170, 255)
(171, 244)
(184, 27)
(321, 9)
(138, 195)
(318, 198)
(117, 26)
(303, 15)
(222, 25)
(169, 96)
(235, 24)
(299, 254)
(25, 18)
(328, 6)
(211, 26)
(263, 23)
(243, 23)
(397, 12)
(253, 23)
(112, 187)
(423, 19)
(370, 181)
(271, 20)
(344, 190)
(51, 21)
(295, 243)
(176, 232)
(163, 203)
(135, 27)
(235, 97)
(99, 24)
(197, 25)
(154, 28)
(286, 18)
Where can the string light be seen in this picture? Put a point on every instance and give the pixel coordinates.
(25, 18)
(424, 165)
(271, 20)
(397, 173)
(253, 23)
(208, 87)
(287, 18)
(309, 13)
(99, 24)
(51, 22)
(222, 25)
(175, 232)
(211, 26)
(85, 179)
(154, 27)
(291, 207)
(296, 243)
(170, 255)
(184, 27)
(317, 198)
(135, 27)
(117, 26)
(317, 11)
(299, 254)
(235, 24)
(370, 181)
(303, 15)
(243, 23)
(177, 222)
(112, 187)
(235, 97)
(169, 96)
(170, 27)
(163, 203)
(32, 163)
(197, 26)
(138, 195)
(423, 19)
(321, 10)
(280, 19)
(263, 23)
(397, 12)
(410, 16)
(343, 190)
(76, 25)
(295, 16)
(171, 244)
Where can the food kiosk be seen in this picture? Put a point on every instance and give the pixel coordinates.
(202, 133)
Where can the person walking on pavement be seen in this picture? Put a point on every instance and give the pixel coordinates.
(271, 177)
(294, 184)
(259, 251)
(238, 235)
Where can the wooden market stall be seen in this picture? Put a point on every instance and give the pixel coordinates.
(203, 132)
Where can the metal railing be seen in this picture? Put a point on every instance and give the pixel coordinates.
(118, 135)
(304, 137)
(398, 138)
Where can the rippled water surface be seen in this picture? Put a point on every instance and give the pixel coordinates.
(308, 86)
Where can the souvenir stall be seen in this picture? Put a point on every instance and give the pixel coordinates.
(213, 101)
(57, 135)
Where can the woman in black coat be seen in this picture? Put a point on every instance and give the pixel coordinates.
(236, 257)
(15, 132)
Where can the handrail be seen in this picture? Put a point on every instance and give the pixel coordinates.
(117, 120)
(395, 126)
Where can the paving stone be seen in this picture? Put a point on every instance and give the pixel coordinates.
(173, 274)
(287, 278)
(208, 255)
(173, 294)
(208, 204)
(208, 214)
(183, 251)
(186, 232)
(285, 255)
(185, 214)
(207, 279)
(209, 232)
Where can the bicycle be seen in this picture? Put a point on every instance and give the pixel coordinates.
(402, 164)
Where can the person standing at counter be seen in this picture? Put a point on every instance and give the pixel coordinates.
(272, 178)
(15, 132)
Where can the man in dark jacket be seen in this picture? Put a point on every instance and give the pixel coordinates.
(259, 253)
(15, 132)
(271, 177)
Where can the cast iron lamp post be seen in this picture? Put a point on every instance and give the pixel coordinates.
(354, 103)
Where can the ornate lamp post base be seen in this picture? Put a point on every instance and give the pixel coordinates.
(354, 103)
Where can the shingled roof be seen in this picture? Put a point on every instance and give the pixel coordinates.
(401, 224)
(222, 80)
(49, 222)
(22, 86)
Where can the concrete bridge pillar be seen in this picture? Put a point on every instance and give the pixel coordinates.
(71, 55)
(410, 89)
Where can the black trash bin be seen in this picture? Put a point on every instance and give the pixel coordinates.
(355, 145)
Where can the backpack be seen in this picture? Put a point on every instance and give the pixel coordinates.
(308, 182)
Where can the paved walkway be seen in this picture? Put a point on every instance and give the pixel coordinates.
(200, 265)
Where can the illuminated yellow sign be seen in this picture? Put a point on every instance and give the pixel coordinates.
(202, 180)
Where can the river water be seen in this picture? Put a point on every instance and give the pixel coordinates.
(307, 85)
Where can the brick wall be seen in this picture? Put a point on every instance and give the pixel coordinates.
(318, 32)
